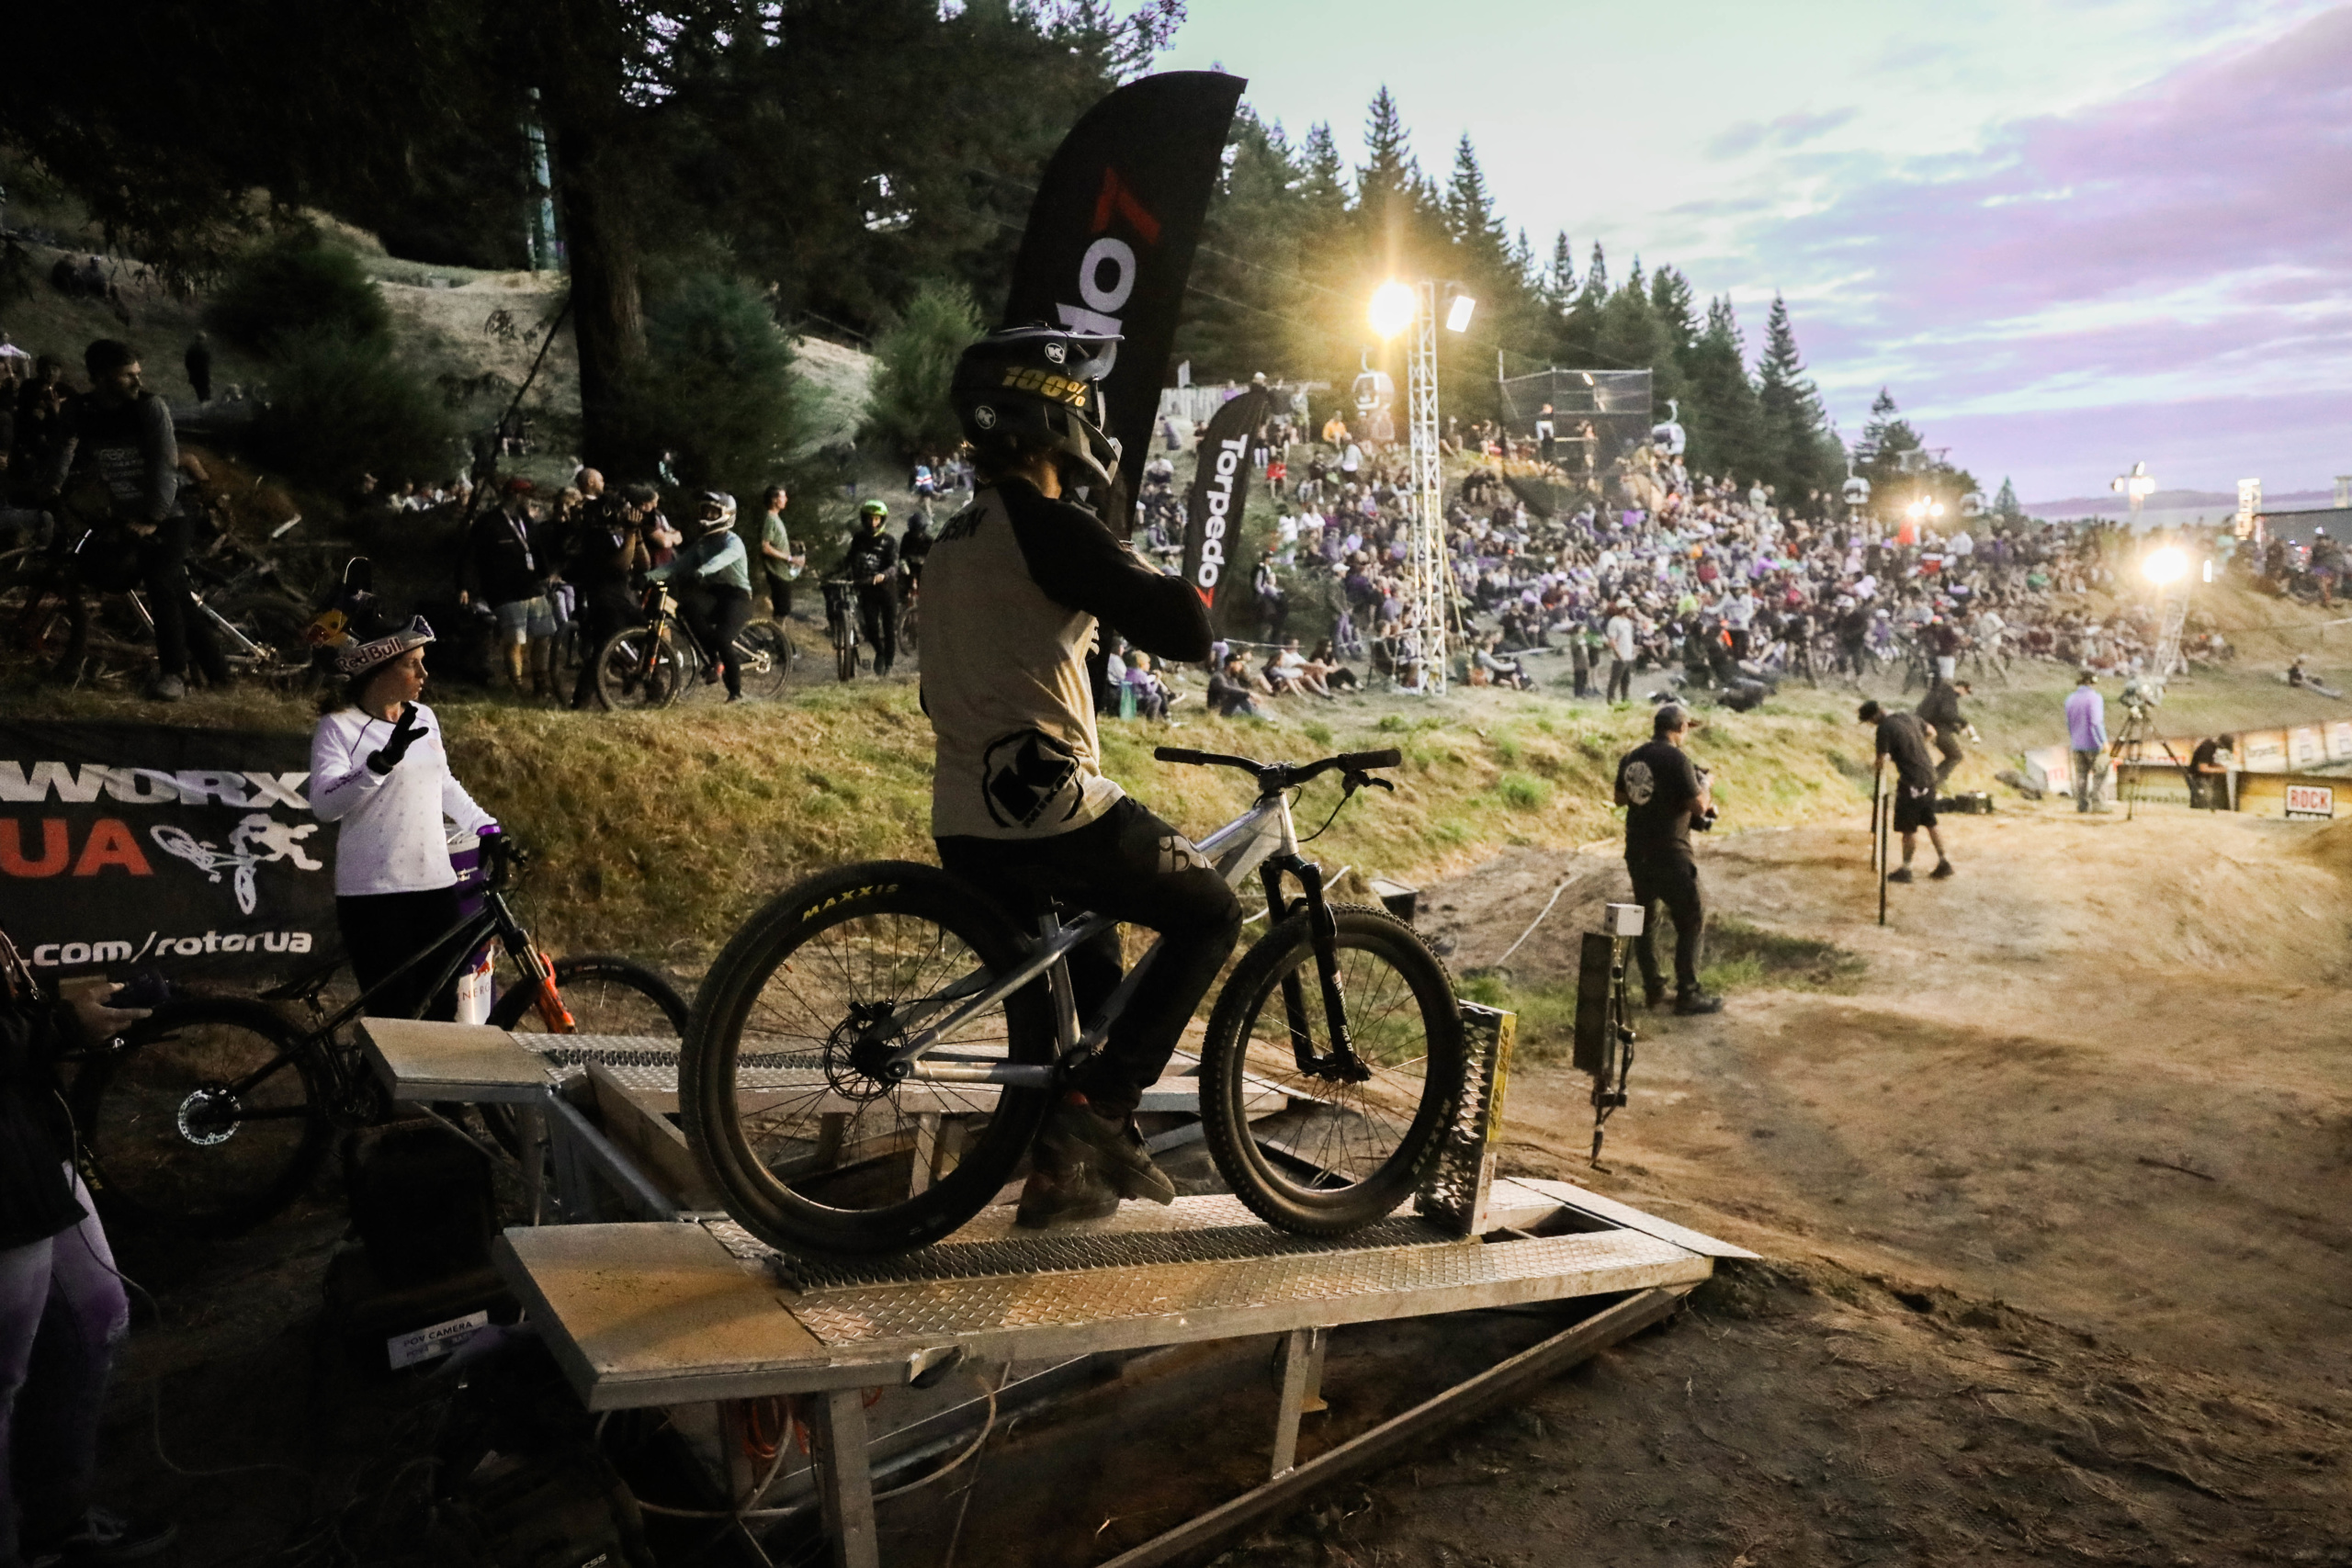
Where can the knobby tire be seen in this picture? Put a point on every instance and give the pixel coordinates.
(1350, 1154)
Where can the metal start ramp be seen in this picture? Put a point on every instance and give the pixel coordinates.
(654, 1314)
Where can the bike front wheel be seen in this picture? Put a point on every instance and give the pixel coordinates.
(206, 1121)
(1330, 1151)
(780, 1083)
(635, 670)
(604, 994)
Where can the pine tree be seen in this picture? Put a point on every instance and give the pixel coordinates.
(1389, 184)
(1797, 460)
(1670, 302)
(1323, 188)
(1578, 343)
(1719, 401)
(2005, 505)
(1560, 277)
(1470, 219)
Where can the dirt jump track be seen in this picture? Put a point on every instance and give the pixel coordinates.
(2054, 1186)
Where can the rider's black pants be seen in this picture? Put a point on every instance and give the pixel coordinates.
(718, 615)
(382, 930)
(877, 623)
(1129, 865)
(179, 628)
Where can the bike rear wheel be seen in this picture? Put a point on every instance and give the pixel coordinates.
(1332, 1155)
(47, 625)
(633, 671)
(765, 654)
(812, 1151)
(274, 627)
(169, 1144)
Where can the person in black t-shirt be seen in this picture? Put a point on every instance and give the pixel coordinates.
(1663, 792)
(1907, 740)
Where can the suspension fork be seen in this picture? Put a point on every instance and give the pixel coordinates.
(1323, 930)
(538, 972)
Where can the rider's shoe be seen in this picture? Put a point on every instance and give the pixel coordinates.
(167, 688)
(1076, 1134)
(1065, 1196)
(1902, 873)
(1696, 1004)
(1942, 872)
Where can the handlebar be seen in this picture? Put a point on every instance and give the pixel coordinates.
(1274, 776)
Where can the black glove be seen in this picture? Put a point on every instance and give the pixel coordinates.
(405, 731)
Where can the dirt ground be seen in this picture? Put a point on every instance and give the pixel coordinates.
(2050, 1174)
(2054, 1191)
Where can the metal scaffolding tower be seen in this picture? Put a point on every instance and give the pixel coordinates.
(1429, 606)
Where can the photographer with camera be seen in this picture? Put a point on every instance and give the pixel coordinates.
(609, 549)
(1906, 739)
(1666, 795)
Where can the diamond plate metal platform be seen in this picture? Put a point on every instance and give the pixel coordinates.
(660, 1313)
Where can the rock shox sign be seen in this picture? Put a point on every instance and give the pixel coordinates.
(137, 846)
(1220, 489)
(1111, 235)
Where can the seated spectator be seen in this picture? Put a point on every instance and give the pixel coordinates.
(1336, 675)
(1498, 670)
(1152, 695)
(1230, 694)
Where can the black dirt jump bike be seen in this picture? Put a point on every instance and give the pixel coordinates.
(872, 1054)
(214, 1112)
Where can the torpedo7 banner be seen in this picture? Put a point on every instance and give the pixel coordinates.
(1111, 232)
(1220, 489)
(134, 846)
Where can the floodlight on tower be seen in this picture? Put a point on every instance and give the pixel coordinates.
(1392, 307)
(1457, 314)
(2165, 567)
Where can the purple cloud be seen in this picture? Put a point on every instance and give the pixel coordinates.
(2155, 253)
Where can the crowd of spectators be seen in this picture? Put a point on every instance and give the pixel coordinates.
(1716, 588)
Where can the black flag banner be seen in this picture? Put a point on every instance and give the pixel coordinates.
(1220, 489)
(133, 846)
(1111, 236)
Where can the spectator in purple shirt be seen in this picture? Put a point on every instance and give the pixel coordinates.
(2087, 735)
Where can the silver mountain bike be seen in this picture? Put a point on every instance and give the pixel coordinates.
(870, 1057)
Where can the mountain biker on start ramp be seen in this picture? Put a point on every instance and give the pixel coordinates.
(1019, 807)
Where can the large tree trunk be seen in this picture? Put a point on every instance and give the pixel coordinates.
(607, 299)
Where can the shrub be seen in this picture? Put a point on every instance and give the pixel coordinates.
(1524, 793)
(298, 288)
(717, 389)
(340, 407)
(906, 407)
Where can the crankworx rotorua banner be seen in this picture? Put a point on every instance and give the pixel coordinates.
(1110, 240)
(126, 847)
(1220, 490)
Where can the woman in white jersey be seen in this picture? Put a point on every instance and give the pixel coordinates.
(379, 768)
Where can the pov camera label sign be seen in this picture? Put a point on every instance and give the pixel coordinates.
(2311, 803)
(407, 1349)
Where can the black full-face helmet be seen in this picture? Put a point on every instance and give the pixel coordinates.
(1031, 387)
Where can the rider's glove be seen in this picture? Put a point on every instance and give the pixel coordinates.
(395, 747)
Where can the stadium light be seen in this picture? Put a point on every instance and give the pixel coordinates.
(2165, 567)
(1392, 307)
(1457, 315)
